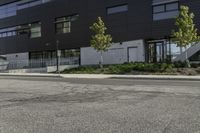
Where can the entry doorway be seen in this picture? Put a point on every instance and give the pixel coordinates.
(132, 54)
(157, 51)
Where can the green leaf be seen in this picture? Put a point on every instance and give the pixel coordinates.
(100, 41)
(186, 33)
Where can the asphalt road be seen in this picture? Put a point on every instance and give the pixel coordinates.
(56, 105)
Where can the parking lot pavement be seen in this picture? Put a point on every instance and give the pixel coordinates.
(47, 105)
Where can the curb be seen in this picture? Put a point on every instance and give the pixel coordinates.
(135, 77)
(31, 75)
(101, 76)
(154, 78)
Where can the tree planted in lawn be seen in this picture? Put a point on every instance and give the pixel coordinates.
(187, 32)
(100, 41)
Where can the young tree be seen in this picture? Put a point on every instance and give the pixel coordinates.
(100, 41)
(187, 32)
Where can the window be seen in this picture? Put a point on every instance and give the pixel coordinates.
(5, 32)
(23, 29)
(63, 24)
(117, 9)
(172, 6)
(165, 11)
(27, 4)
(163, 50)
(35, 55)
(158, 9)
(70, 53)
(35, 30)
(10, 9)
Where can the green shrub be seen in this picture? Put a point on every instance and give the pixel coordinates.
(195, 65)
(167, 67)
(113, 69)
(126, 68)
(81, 70)
(180, 64)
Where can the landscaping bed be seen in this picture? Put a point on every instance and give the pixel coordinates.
(138, 69)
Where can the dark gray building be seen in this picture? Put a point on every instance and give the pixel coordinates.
(35, 29)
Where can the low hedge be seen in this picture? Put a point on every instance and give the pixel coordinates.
(180, 64)
(123, 68)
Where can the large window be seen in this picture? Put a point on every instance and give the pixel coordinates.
(8, 10)
(165, 10)
(33, 30)
(23, 29)
(163, 50)
(46, 55)
(117, 9)
(30, 3)
(63, 24)
(5, 32)
(70, 53)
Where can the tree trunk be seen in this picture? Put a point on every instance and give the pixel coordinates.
(101, 61)
(186, 58)
(181, 49)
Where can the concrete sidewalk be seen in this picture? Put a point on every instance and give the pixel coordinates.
(152, 77)
(104, 76)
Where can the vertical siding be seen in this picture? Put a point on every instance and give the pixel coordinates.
(135, 24)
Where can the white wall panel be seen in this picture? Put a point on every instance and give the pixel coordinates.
(117, 54)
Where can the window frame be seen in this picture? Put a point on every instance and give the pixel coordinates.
(64, 19)
(35, 32)
(165, 9)
(115, 6)
(22, 29)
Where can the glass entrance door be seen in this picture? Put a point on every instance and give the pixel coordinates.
(151, 52)
(157, 51)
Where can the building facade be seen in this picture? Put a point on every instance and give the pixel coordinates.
(36, 29)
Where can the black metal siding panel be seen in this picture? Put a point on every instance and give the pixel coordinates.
(164, 28)
(137, 23)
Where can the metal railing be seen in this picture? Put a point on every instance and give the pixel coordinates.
(190, 52)
(42, 63)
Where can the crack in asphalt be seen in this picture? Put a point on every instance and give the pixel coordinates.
(89, 96)
(150, 108)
